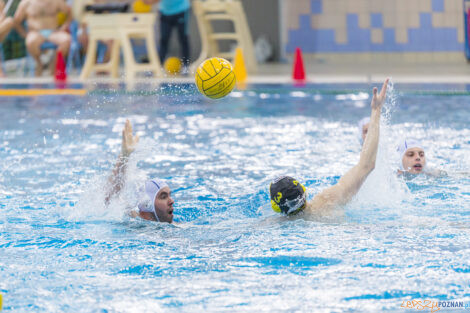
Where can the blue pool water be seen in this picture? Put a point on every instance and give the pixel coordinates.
(61, 250)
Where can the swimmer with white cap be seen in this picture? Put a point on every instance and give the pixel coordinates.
(159, 204)
(412, 159)
(288, 195)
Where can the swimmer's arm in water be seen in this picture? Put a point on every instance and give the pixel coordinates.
(434, 172)
(116, 180)
(351, 182)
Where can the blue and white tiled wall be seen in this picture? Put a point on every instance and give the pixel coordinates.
(359, 26)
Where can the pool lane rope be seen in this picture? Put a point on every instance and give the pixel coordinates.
(41, 92)
(84, 92)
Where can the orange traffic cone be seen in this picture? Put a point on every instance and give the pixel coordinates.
(60, 71)
(239, 66)
(298, 73)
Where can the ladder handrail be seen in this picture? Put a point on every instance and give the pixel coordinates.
(211, 10)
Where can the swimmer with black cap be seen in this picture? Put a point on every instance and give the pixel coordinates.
(158, 205)
(288, 196)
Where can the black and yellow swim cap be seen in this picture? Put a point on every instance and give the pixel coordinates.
(287, 195)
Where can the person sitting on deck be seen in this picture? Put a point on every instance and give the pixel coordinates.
(43, 26)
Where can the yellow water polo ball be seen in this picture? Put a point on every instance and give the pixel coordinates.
(140, 6)
(172, 65)
(215, 78)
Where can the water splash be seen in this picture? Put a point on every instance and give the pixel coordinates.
(382, 188)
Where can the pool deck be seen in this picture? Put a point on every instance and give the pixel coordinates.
(317, 72)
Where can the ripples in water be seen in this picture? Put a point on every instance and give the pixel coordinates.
(61, 250)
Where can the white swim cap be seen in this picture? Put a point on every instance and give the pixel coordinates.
(364, 121)
(152, 187)
(405, 145)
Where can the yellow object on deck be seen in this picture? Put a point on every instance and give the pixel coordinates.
(1, 302)
(140, 6)
(41, 92)
(61, 18)
(172, 65)
(239, 66)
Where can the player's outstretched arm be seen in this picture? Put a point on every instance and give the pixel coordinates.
(351, 182)
(116, 179)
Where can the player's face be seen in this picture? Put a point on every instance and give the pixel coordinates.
(164, 205)
(414, 160)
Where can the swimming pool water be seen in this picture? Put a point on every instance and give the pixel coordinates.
(61, 250)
